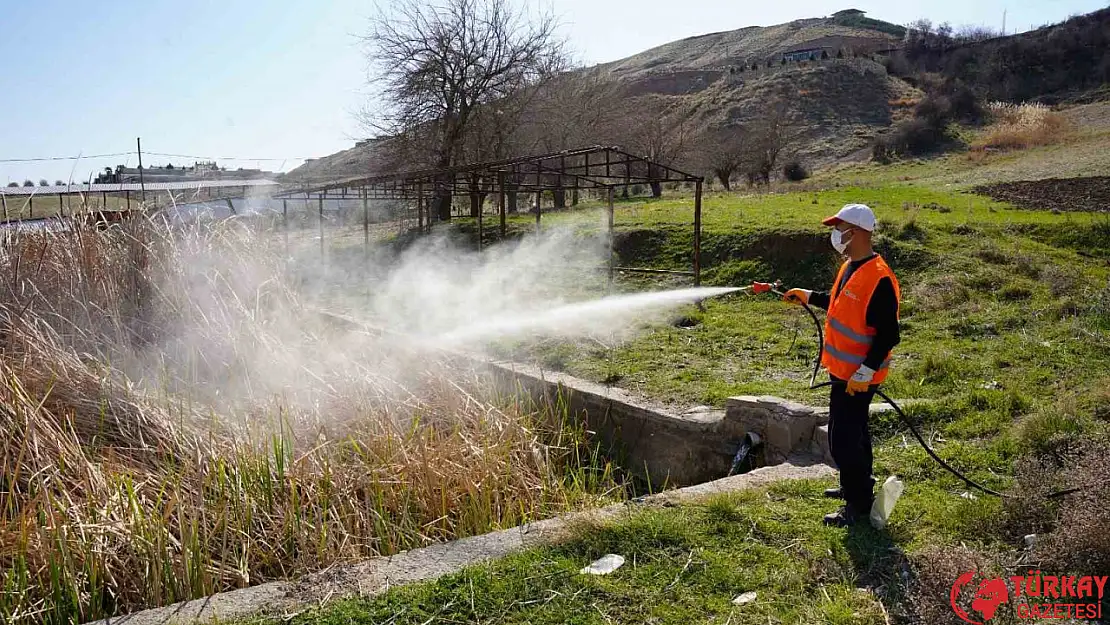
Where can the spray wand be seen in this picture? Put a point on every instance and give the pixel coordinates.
(776, 288)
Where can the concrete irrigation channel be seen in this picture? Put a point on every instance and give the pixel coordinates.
(691, 450)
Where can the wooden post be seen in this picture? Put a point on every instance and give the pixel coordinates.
(31, 207)
(104, 200)
(365, 220)
(697, 233)
(285, 222)
(611, 259)
(4, 201)
(501, 201)
(480, 228)
(539, 209)
(127, 196)
(321, 223)
(142, 184)
(61, 206)
(420, 207)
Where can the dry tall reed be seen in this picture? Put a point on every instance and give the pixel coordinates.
(175, 423)
(1021, 126)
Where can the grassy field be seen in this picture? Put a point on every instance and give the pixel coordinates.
(42, 206)
(1006, 326)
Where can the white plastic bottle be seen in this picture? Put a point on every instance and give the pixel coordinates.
(884, 503)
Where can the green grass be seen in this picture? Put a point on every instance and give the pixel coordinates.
(991, 296)
(683, 565)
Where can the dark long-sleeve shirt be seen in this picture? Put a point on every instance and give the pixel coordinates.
(882, 314)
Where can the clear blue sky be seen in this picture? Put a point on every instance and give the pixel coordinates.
(281, 78)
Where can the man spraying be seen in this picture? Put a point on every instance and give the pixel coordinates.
(861, 328)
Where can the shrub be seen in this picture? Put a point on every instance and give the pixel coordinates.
(910, 231)
(1080, 541)
(914, 137)
(992, 255)
(794, 171)
(1015, 292)
(940, 293)
(935, 568)
(28, 183)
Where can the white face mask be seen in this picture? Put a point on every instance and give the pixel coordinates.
(838, 242)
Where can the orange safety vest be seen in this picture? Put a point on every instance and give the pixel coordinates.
(847, 335)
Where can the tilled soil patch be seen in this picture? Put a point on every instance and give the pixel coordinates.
(1091, 194)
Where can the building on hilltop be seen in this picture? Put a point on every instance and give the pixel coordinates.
(831, 45)
(849, 13)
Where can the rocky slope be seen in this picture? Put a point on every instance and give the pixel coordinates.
(723, 79)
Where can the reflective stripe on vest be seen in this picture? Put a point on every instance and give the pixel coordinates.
(851, 358)
(850, 333)
(848, 338)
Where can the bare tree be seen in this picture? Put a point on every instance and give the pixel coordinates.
(437, 66)
(661, 135)
(724, 153)
(772, 133)
(569, 111)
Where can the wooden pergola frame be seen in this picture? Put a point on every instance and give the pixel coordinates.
(601, 168)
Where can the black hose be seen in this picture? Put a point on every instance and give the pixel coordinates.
(898, 410)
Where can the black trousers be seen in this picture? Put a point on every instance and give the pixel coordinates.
(850, 444)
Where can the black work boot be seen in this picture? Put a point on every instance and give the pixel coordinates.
(845, 516)
(834, 493)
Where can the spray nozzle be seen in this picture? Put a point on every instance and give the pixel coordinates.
(764, 287)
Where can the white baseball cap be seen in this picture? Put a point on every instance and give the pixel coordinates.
(859, 215)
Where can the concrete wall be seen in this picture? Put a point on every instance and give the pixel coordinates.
(662, 445)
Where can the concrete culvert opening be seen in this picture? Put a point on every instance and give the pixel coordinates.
(686, 321)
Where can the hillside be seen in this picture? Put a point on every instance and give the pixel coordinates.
(841, 102)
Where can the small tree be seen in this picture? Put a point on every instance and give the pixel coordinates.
(13, 184)
(59, 183)
(824, 55)
(771, 133)
(840, 53)
(661, 136)
(28, 183)
(724, 154)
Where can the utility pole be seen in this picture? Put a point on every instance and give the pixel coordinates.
(142, 184)
(1003, 22)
